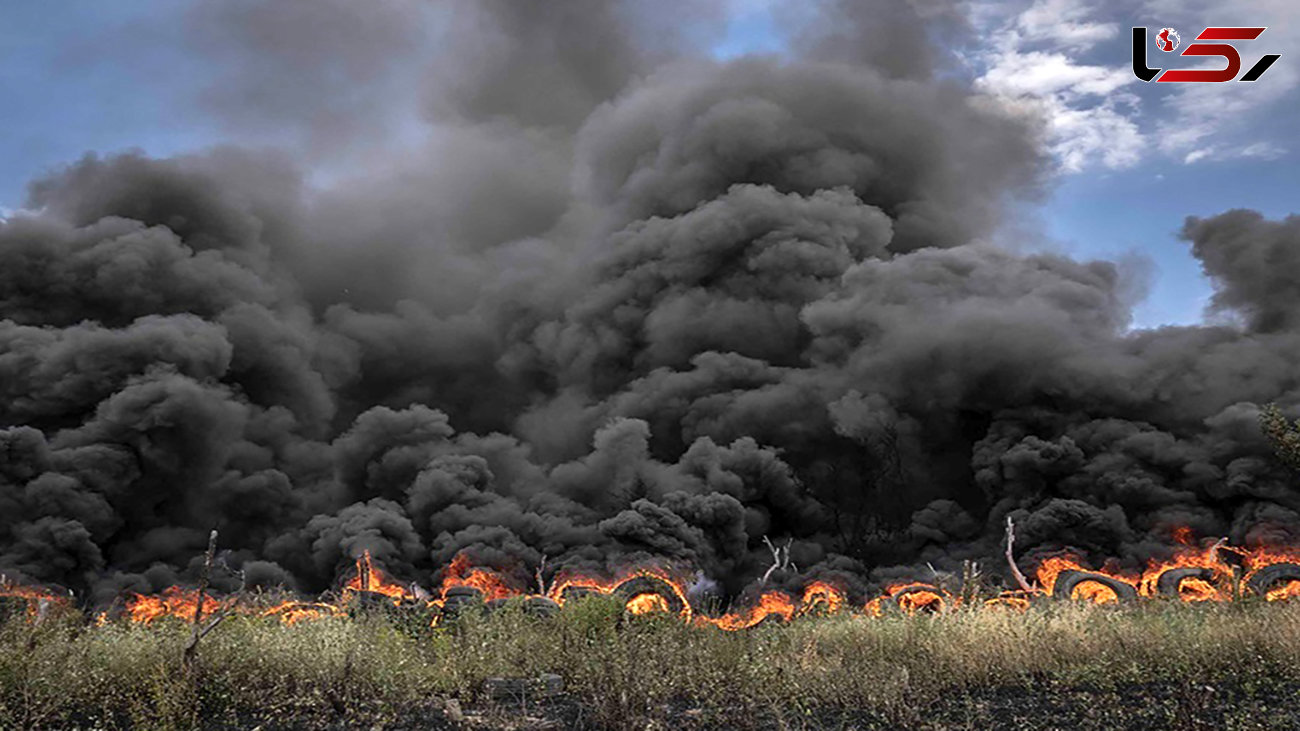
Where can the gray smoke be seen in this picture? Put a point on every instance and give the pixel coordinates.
(616, 302)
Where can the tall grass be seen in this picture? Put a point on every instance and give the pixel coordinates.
(622, 672)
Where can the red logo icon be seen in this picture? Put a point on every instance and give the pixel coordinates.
(1168, 39)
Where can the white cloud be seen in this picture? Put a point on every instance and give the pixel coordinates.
(1064, 23)
(1087, 119)
(1038, 73)
(1263, 151)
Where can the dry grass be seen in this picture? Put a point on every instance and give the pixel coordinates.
(383, 671)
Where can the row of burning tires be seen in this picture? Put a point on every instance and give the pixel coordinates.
(907, 599)
(457, 599)
(1170, 582)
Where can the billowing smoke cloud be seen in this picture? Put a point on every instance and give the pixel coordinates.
(616, 301)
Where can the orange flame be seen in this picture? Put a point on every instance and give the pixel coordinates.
(174, 601)
(1191, 589)
(33, 595)
(647, 604)
(1257, 559)
(821, 594)
(461, 573)
(925, 599)
(1094, 593)
(598, 585)
(770, 603)
(1216, 585)
(1283, 591)
(1017, 600)
(370, 579)
(1051, 568)
(291, 612)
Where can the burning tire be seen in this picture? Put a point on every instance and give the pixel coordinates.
(1168, 582)
(575, 593)
(644, 594)
(1067, 582)
(920, 598)
(1016, 600)
(1261, 581)
(1204, 584)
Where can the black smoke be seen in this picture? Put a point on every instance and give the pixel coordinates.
(619, 302)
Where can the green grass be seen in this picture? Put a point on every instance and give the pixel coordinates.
(623, 673)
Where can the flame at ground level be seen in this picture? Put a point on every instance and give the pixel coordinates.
(174, 601)
(647, 604)
(1283, 591)
(1202, 574)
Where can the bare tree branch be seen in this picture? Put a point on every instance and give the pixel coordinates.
(1011, 561)
(192, 646)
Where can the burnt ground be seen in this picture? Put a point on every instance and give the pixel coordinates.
(1138, 707)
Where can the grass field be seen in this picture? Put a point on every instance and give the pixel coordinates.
(1156, 665)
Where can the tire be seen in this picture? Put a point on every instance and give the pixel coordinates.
(639, 585)
(1015, 599)
(540, 607)
(1168, 583)
(462, 591)
(897, 599)
(1262, 580)
(1066, 581)
(459, 599)
(574, 593)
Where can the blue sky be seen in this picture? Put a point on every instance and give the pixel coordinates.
(1133, 159)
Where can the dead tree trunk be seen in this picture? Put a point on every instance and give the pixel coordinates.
(197, 631)
(1011, 560)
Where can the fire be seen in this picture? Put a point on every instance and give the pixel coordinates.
(821, 594)
(461, 573)
(1018, 600)
(913, 598)
(1194, 573)
(173, 602)
(1283, 591)
(1259, 559)
(647, 604)
(291, 612)
(770, 603)
(599, 585)
(370, 579)
(1215, 588)
(1051, 569)
(1094, 593)
(33, 595)
(1200, 590)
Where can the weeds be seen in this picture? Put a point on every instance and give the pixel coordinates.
(624, 672)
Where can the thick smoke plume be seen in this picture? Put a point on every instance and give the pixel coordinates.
(617, 301)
